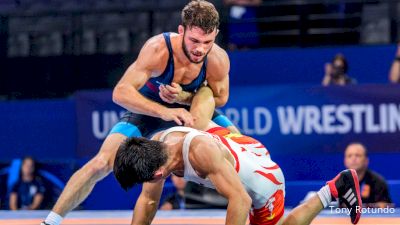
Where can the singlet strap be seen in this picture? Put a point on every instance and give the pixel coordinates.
(175, 129)
(168, 42)
(188, 139)
(168, 73)
(185, 151)
(191, 133)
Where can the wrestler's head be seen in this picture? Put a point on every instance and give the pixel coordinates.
(139, 160)
(199, 28)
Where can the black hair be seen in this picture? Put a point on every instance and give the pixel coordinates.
(202, 14)
(137, 160)
(342, 58)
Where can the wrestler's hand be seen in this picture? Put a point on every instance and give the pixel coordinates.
(169, 93)
(180, 115)
(174, 94)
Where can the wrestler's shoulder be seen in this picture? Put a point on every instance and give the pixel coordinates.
(218, 61)
(218, 54)
(156, 44)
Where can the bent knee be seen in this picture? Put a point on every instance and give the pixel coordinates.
(100, 165)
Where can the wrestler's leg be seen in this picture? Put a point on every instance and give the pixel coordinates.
(304, 213)
(223, 121)
(83, 181)
(203, 110)
(344, 186)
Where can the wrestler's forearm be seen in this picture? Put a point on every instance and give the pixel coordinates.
(144, 211)
(237, 212)
(129, 98)
(202, 108)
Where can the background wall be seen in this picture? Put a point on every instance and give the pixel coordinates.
(368, 64)
(70, 132)
(60, 76)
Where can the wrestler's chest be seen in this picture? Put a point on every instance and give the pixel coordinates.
(186, 75)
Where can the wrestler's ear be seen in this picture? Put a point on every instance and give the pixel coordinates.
(158, 175)
(181, 29)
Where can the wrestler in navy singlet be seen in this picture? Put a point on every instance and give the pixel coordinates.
(132, 124)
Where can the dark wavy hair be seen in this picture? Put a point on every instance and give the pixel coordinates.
(137, 160)
(202, 14)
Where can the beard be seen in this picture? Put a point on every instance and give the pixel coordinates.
(187, 53)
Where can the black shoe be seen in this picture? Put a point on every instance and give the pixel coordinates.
(346, 188)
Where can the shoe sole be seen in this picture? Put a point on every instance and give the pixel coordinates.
(356, 183)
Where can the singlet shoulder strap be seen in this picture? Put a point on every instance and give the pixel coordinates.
(205, 63)
(191, 133)
(168, 42)
(175, 129)
(204, 71)
(188, 139)
(185, 151)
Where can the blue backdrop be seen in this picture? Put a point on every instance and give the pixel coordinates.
(45, 129)
(306, 129)
(317, 121)
(368, 64)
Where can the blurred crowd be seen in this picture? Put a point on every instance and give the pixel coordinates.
(336, 71)
(25, 189)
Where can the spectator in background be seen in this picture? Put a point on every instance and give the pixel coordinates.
(336, 72)
(176, 200)
(394, 75)
(27, 193)
(374, 190)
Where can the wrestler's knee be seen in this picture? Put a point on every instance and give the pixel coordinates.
(100, 166)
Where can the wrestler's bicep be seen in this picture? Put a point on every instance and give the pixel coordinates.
(147, 62)
(218, 79)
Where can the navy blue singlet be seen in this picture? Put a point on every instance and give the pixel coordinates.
(150, 89)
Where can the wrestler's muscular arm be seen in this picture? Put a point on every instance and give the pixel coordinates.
(208, 161)
(218, 66)
(147, 203)
(126, 94)
(149, 199)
